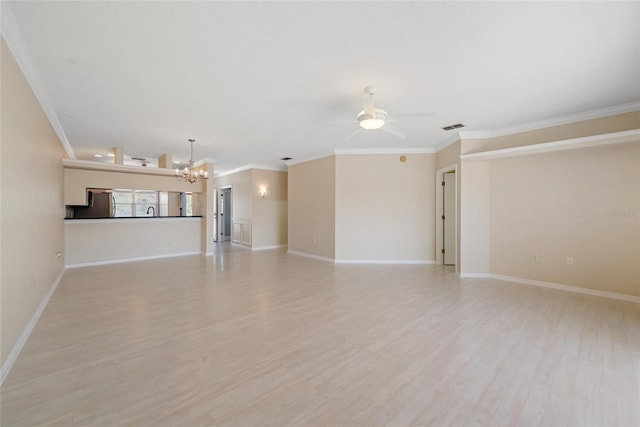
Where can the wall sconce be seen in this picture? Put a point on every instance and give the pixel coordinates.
(263, 191)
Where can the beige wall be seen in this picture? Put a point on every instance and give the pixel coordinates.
(311, 204)
(581, 203)
(32, 208)
(448, 156)
(474, 215)
(385, 208)
(258, 222)
(600, 126)
(269, 221)
(109, 240)
(241, 194)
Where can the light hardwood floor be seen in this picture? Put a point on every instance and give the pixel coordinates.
(266, 338)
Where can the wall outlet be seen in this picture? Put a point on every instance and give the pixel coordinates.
(534, 257)
(58, 255)
(315, 240)
(569, 260)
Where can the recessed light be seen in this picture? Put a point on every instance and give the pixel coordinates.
(176, 161)
(111, 155)
(97, 155)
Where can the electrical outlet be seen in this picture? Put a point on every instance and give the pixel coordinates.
(569, 260)
(534, 257)
(315, 240)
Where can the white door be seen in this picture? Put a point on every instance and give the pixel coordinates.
(449, 218)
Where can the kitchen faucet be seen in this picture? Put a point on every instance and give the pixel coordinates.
(153, 209)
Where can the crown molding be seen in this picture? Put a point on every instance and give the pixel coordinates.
(450, 140)
(249, 167)
(97, 166)
(12, 37)
(316, 156)
(556, 121)
(548, 147)
(405, 150)
(204, 161)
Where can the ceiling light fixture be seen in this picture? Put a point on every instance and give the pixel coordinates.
(372, 121)
(189, 174)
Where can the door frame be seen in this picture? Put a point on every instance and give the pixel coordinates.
(439, 210)
(230, 213)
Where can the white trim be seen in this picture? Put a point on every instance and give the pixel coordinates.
(204, 161)
(135, 259)
(16, 45)
(264, 248)
(89, 165)
(556, 121)
(249, 167)
(547, 147)
(386, 261)
(557, 286)
(450, 140)
(405, 150)
(239, 243)
(306, 255)
(475, 276)
(304, 159)
(22, 339)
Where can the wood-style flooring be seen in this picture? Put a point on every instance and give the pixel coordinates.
(267, 338)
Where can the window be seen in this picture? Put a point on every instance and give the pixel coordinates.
(135, 203)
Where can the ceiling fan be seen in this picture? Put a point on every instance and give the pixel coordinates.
(372, 118)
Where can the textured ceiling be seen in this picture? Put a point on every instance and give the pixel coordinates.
(253, 82)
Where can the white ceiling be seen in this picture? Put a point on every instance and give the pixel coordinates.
(254, 82)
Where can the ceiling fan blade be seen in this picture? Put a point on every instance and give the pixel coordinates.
(394, 131)
(415, 115)
(354, 133)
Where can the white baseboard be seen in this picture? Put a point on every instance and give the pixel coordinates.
(22, 339)
(385, 261)
(476, 275)
(122, 260)
(244, 245)
(264, 248)
(551, 285)
(306, 255)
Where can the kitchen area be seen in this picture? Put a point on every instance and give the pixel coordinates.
(116, 213)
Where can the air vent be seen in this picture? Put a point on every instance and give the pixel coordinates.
(452, 127)
(286, 158)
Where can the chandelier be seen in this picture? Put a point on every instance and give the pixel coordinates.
(190, 174)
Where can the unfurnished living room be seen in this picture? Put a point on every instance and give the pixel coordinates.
(320, 213)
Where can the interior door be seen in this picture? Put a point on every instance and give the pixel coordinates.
(449, 218)
(224, 212)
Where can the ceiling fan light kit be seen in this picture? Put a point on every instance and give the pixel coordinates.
(371, 122)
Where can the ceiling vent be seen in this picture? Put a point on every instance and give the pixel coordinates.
(452, 127)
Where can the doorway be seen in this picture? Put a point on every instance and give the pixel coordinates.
(446, 225)
(449, 218)
(224, 214)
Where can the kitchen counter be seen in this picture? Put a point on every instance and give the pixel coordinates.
(108, 240)
(119, 218)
